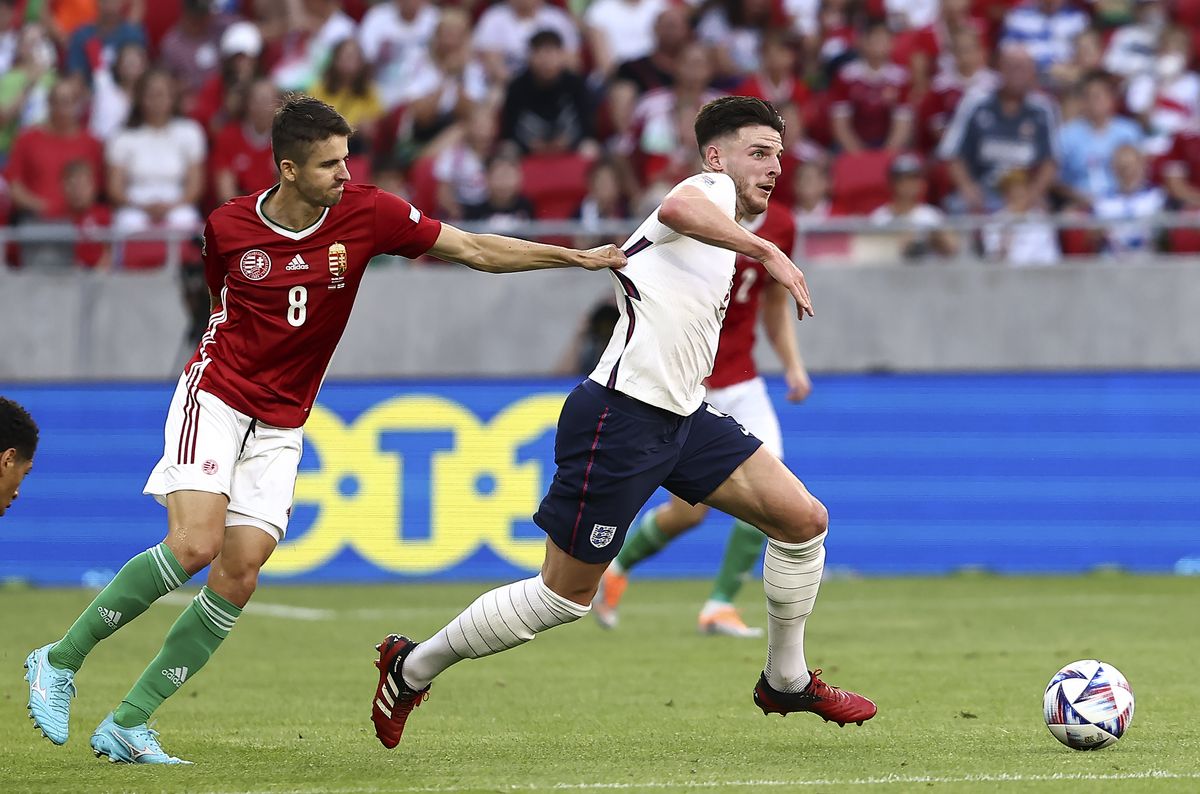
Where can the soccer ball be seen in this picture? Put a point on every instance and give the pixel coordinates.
(1088, 705)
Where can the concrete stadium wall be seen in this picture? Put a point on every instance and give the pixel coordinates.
(454, 322)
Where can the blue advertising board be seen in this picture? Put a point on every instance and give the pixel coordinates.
(438, 479)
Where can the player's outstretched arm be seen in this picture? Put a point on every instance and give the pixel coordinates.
(493, 253)
(687, 210)
(777, 321)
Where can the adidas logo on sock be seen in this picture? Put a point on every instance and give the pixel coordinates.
(176, 675)
(111, 616)
(297, 263)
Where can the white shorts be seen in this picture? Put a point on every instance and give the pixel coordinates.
(748, 403)
(211, 447)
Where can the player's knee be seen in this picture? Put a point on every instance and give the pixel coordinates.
(809, 519)
(239, 579)
(195, 550)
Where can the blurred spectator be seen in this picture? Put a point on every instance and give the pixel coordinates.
(87, 214)
(445, 81)
(906, 175)
(1064, 76)
(777, 81)
(219, 101)
(241, 161)
(605, 201)
(347, 86)
(834, 42)
(25, 88)
(9, 31)
(991, 134)
(672, 33)
(392, 33)
(870, 97)
(812, 193)
(112, 90)
(733, 30)
(619, 31)
(1181, 169)
(94, 45)
(460, 168)
(1087, 144)
(656, 138)
(910, 14)
(969, 74)
(189, 50)
(1168, 99)
(41, 153)
(1046, 29)
(504, 31)
(322, 26)
(547, 108)
(587, 347)
(1020, 235)
(505, 206)
(156, 164)
(1132, 48)
(1126, 208)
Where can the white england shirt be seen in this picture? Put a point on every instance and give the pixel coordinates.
(672, 296)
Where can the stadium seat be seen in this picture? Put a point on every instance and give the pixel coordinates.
(1078, 242)
(555, 183)
(859, 182)
(1183, 241)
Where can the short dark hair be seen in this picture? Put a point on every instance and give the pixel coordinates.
(1097, 76)
(17, 429)
(546, 37)
(300, 122)
(731, 113)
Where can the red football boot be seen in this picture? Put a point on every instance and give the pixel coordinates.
(827, 702)
(394, 699)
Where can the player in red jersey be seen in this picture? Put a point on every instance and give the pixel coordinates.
(735, 388)
(283, 268)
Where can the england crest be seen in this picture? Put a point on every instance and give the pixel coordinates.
(602, 535)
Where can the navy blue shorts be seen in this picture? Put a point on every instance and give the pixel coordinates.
(613, 451)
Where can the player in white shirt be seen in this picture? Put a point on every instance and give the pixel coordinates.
(640, 422)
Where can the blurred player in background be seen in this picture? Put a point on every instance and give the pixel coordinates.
(640, 421)
(735, 388)
(18, 443)
(283, 268)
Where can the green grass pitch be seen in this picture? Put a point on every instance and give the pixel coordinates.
(957, 666)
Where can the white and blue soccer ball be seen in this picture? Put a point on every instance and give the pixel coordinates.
(1088, 705)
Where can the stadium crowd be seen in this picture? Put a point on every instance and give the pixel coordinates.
(144, 114)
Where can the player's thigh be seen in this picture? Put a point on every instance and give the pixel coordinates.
(611, 453)
(264, 479)
(750, 404)
(764, 493)
(234, 573)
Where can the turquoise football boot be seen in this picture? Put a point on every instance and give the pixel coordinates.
(50, 693)
(136, 745)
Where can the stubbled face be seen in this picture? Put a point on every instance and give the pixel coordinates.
(13, 471)
(752, 158)
(321, 178)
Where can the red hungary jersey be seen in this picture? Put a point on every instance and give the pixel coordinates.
(735, 350)
(284, 296)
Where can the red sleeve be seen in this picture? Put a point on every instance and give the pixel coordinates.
(787, 234)
(839, 95)
(401, 228)
(17, 157)
(214, 268)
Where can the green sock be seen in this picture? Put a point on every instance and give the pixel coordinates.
(646, 541)
(189, 644)
(741, 553)
(143, 580)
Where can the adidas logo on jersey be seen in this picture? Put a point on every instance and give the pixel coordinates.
(111, 617)
(297, 263)
(176, 675)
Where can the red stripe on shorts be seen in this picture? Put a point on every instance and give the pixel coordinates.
(586, 473)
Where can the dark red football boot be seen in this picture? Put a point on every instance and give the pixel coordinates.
(394, 699)
(827, 702)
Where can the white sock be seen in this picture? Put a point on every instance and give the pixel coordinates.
(498, 620)
(791, 578)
